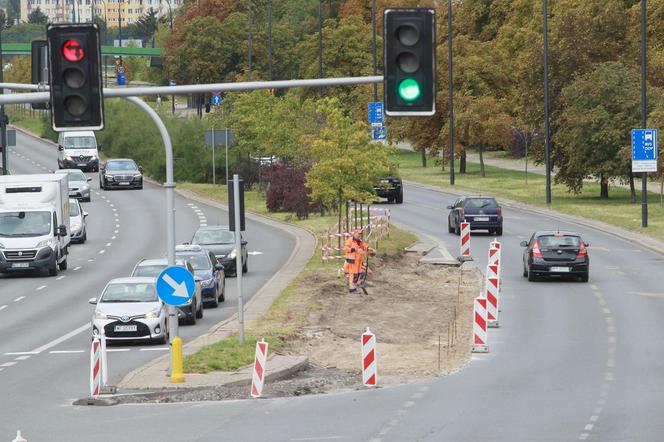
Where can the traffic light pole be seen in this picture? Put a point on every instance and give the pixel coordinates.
(3, 121)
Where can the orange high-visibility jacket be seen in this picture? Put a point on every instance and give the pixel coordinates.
(355, 251)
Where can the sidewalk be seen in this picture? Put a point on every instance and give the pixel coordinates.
(153, 375)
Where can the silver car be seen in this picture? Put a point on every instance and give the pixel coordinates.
(190, 310)
(130, 310)
(77, 221)
(78, 184)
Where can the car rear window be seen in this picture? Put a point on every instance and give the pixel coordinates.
(481, 203)
(148, 270)
(559, 241)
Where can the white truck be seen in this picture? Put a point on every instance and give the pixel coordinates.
(34, 223)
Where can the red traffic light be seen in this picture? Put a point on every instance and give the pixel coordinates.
(73, 51)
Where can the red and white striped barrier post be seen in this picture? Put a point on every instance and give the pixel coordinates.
(104, 362)
(260, 361)
(491, 292)
(369, 370)
(498, 257)
(480, 342)
(464, 241)
(95, 368)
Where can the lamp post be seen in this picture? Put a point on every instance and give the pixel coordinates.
(170, 15)
(644, 115)
(547, 131)
(450, 66)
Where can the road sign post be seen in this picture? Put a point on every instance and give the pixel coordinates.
(644, 160)
(238, 254)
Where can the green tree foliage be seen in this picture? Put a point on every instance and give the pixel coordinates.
(37, 17)
(24, 33)
(146, 26)
(20, 70)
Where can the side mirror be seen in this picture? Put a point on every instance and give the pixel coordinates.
(524, 243)
(450, 207)
(99, 146)
(586, 244)
(244, 242)
(140, 169)
(85, 214)
(62, 230)
(92, 301)
(219, 266)
(89, 179)
(60, 147)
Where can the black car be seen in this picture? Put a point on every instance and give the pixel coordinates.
(221, 241)
(209, 269)
(553, 253)
(390, 188)
(121, 173)
(482, 212)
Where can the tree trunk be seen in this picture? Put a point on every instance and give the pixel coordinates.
(482, 174)
(424, 158)
(462, 162)
(632, 191)
(661, 190)
(604, 186)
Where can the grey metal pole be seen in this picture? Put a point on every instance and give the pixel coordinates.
(320, 38)
(226, 146)
(644, 115)
(269, 40)
(238, 255)
(450, 66)
(251, 36)
(3, 126)
(214, 179)
(547, 146)
(373, 42)
(169, 185)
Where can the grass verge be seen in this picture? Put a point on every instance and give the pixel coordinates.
(616, 210)
(289, 311)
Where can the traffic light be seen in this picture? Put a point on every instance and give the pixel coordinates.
(75, 77)
(409, 51)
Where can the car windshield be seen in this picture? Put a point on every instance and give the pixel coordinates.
(76, 175)
(16, 224)
(218, 236)
(198, 261)
(149, 270)
(481, 203)
(559, 241)
(73, 209)
(121, 165)
(130, 292)
(80, 143)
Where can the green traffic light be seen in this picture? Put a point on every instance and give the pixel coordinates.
(409, 90)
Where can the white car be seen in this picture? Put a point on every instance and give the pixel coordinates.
(77, 221)
(130, 310)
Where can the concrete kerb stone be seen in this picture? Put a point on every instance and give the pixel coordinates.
(645, 241)
(434, 252)
(153, 374)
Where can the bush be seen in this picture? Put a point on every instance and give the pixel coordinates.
(286, 191)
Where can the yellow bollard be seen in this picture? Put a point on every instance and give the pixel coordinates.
(176, 360)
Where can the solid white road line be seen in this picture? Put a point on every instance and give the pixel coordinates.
(22, 358)
(8, 364)
(118, 349)
(155, 349)
(19, 353)
(64, 352)
(2, 307)
(63, 338)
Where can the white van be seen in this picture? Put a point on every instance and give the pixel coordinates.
(78, 150)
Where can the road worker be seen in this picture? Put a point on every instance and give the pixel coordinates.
(355, 249)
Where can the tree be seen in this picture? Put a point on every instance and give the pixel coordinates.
(37, 17)
(346, 162)
(20, 70)
(146, 26)
(200, 57)
(600, 109)
(3, 19)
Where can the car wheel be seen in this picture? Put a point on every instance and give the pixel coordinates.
(199, 311)
(222, 297)
(213, 303)
(84, 237)
(192, 321)
(63, 265)
(88, 199)
(53, 268)
(585, 276)
(400, 198)
(499, 231)
(450, 229)
(531, 276)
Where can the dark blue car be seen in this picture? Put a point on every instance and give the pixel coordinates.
(206, 267)
(482, 212)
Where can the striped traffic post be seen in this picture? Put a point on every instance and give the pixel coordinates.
(104, 362)
(95, 368)
(260, 361)
(495, 244)
(369, 370)
(480, 335)
(491, 294)
(464, 241)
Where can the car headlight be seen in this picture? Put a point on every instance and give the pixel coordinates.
(137, 175)
(100, 315)
(207, 283)
(154, 314)
(45, 243)
(85, 187)
(108, 177)
(2, 246)
(232, 254)
(75, 226)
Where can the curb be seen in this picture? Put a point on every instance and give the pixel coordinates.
(652, 244)
(305, 246)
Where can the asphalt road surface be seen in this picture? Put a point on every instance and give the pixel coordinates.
(45, 321)
(571, 361)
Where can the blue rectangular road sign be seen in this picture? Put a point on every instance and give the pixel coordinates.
(376, 114)
(644, 150)
(379, 133)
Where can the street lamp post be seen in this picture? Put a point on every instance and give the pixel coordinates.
(547, 132)
(170, 15)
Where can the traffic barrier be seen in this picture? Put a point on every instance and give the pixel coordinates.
(369, 369)
(95, 368)
(19, 437)
(491, 292)
(260, 361)
(464, 240)
(480, 335)
(495, 244)
(104, 362)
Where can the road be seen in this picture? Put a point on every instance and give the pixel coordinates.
(572, 361)
(45, 321)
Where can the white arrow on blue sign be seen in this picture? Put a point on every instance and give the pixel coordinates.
(376, 114)
(379, 133)
(175, 285)
(644, 150)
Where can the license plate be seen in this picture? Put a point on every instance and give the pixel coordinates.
(482, 218)
(124, 184)
(559, 269)
(20, 265)
(81, 164)
(125, 328)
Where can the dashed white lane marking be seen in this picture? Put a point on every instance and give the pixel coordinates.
(63, 352)
(203, 224)
(60, 277)
(2, 307)
(19, 298)
(101, 252)
(77, 268)
(108, 244)
(593, 286)
(606, 311)
(117, 231)
(117, 226)
(584, 436)
(22, 358)
(118, 349)
(19, 353)
(90, 260)
(589, 427)
(113, 237)
(612, 339)
(63, 338)
(303, 439)
(594, 418)
(648, 294)
(8, 364)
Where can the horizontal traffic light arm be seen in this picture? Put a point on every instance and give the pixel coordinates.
(40, 97)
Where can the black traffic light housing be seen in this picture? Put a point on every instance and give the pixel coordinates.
(75, 77)
(231, 205)
(409, 51)
(39, 68)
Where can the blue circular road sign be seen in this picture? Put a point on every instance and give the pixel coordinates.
(175, 285)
